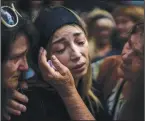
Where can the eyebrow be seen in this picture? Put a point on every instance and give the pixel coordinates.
(77, 34)
(59, 40)
(19, 54)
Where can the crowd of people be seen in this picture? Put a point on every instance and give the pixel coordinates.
(60, 65)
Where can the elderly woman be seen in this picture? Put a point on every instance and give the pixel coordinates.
(118, 75)
(68, 79)
(18, 36)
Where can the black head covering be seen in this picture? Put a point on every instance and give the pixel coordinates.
(48, 21)
(52, 18)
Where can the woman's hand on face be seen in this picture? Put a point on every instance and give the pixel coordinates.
(60, 77)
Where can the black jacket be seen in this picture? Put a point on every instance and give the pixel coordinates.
(47, 105)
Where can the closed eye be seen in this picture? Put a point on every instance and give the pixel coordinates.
(81, 43)
(60, 51)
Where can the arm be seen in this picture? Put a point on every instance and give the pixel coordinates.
(61, 79)
(76, 107)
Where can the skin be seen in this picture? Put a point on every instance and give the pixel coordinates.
(103, 30)
(70, 46)
(132, 56)
(123, 25)
(75, 52)
(11, 69)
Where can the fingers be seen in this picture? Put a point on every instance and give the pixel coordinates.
(20, 97)
(58, 65)
(42, 55)
(45, 68)
(6, 116)
(13, 111)
(43, 61)
(15, 105)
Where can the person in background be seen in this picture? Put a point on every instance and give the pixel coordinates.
(100, 27)
(125, 17)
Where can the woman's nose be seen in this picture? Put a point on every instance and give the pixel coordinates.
(75, 54)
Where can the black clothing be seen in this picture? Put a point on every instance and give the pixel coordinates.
(45, 105)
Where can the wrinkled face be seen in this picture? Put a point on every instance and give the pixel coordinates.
(123, 24)
(132, 56)
(70, 46)
(16, 62)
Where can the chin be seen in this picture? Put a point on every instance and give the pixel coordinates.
(80, 75)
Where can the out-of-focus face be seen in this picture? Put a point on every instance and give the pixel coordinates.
(123, 25)
(16, 63)
(103, 30)
(133, 57)
(70, 46)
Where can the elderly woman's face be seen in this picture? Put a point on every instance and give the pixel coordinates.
(132, 56)
(70, 46)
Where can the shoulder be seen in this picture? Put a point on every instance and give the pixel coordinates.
(107, 75)
(104, 66)
(109, 66)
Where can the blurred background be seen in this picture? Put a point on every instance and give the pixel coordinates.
(107, 21)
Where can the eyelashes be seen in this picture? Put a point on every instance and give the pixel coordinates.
(60, 51)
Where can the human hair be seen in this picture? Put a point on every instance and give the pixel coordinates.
(47, 24)
(138, 27)
(8, 35)
(134, 109)
(134, 12)
(97, 14)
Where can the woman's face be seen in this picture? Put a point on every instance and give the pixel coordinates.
(103, 30)
(70, 46)
(123, 25)
(132, 56)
